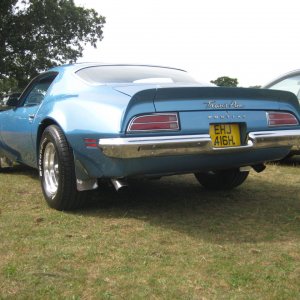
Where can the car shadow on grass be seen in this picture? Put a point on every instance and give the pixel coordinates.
(21, 170)
(257, 211)
(290, 161)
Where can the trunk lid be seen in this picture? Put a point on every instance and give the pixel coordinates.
(199, 106)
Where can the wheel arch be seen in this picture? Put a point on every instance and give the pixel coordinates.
(43, 125)
(86, 183)
(57, 172)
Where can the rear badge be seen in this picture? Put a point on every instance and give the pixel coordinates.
(226, 117)
(212, 104)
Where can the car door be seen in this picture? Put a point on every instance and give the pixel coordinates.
(16, 123)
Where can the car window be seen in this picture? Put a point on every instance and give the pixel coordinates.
(133, 74)
(290, 84)
(38, 91)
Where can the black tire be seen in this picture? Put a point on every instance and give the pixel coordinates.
(221, 180)
(58, 184)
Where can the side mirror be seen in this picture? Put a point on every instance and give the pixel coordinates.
(9, 102)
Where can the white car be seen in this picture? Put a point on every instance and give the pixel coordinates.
(288, 82)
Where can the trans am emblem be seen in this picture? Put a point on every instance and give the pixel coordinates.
(212, 104)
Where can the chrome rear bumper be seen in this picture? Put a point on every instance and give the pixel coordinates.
(135, 147)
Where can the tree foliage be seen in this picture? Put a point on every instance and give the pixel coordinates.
(226, 81)
(7, 85)
(38, 34)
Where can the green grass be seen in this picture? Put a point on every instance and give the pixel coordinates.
(166, 239)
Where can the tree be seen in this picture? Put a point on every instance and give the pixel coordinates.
(38, 34)
(226, 81)
(7, 85)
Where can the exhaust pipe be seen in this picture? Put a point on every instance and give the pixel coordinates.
(259, 168)
(119, 184)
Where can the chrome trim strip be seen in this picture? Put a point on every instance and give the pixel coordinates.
(135, 147)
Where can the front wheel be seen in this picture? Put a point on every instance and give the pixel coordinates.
(57, 171)
(221, 180)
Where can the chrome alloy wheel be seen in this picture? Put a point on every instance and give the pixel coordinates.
(51, 170)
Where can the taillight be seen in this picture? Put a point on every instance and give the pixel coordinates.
(90, 143)
(281, 119)
(153, 122)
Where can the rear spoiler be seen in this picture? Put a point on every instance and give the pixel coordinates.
(214, 93)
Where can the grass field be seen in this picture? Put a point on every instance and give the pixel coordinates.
(166, 239)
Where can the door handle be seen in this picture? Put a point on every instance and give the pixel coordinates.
(31, 117)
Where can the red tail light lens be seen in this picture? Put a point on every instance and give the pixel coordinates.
(90, 143)
(154, 122)
(281, 119)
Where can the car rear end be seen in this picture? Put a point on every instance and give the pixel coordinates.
(174, 127)
(206, 128)
(117, 122)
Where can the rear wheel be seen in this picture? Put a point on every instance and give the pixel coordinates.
(221, 180)
(57, 171)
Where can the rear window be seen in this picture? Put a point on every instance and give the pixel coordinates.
(133, 74)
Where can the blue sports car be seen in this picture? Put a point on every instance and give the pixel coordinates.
(84, 122)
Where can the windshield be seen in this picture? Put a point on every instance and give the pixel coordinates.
(133, 74)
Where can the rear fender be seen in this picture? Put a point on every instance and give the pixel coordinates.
(141, 102)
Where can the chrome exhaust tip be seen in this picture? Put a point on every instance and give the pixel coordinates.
(119, 184)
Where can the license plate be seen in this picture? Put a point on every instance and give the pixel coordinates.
(225, 135)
